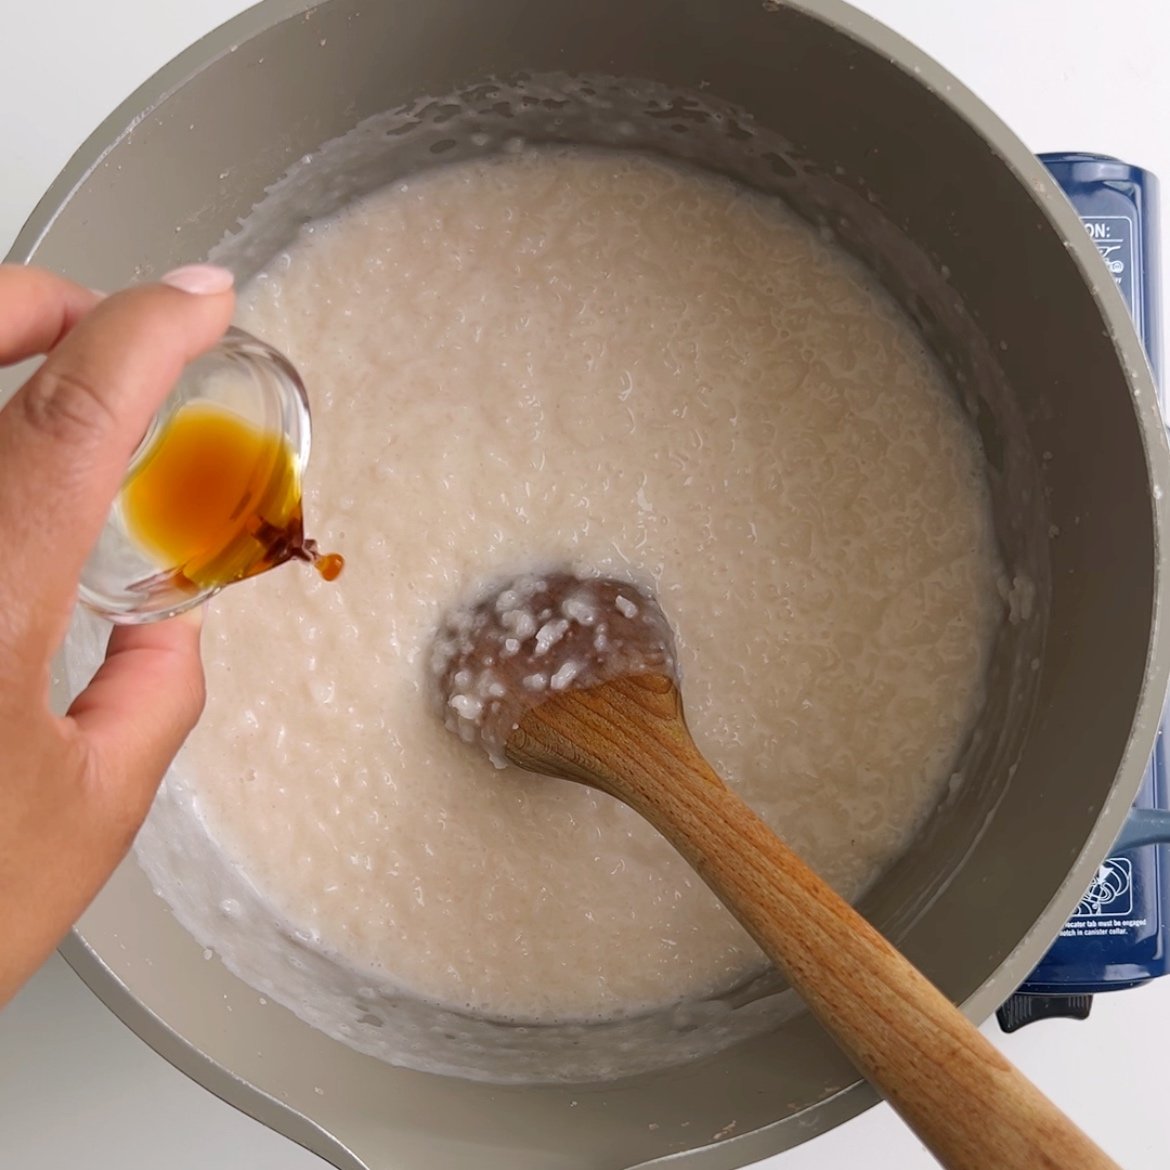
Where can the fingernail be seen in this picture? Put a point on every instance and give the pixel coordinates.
(201, 279)
(99, 293)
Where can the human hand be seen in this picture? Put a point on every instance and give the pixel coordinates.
(75, 789)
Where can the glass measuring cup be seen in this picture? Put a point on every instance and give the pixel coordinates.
(256, 388)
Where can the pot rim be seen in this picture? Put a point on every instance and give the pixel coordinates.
(1049, 199)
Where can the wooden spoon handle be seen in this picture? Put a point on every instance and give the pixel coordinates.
(960, 1095)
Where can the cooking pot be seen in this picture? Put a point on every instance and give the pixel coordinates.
(863, 133)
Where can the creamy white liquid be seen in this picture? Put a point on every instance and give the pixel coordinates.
(603, 362)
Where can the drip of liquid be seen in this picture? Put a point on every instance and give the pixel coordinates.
(216, 499)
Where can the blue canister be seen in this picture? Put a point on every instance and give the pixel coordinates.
(1118, 936)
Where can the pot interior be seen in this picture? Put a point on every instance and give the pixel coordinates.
(302, 111)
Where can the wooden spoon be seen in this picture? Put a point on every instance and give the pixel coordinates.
(576, 678)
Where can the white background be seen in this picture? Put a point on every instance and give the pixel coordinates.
(78, 1089)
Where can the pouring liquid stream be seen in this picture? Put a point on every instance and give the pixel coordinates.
(217, 499)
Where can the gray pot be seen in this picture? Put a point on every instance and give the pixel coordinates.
(856, 127)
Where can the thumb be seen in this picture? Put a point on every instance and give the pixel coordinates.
(139, 708)
(68, 433)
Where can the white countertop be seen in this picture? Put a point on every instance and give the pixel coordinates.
(76, 1087)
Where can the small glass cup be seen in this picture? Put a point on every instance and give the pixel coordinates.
(122, 581)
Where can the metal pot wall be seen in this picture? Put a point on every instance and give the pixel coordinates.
(854, 127)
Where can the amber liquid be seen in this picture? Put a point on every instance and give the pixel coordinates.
(217, 499)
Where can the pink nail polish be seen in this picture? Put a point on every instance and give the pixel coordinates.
(200, 279)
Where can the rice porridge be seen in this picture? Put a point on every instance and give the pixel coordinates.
(607, 363)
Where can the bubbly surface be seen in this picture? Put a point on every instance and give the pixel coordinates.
(497, 658)
(605, 363)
